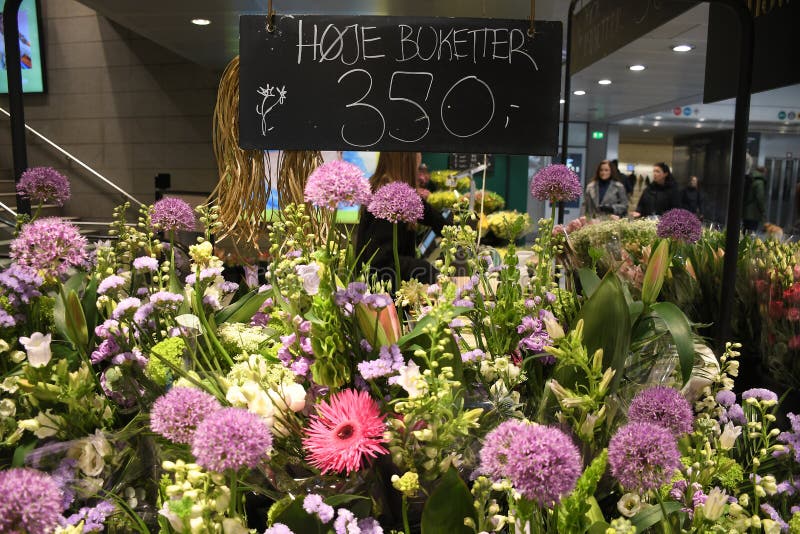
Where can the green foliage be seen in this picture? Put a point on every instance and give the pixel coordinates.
(447, 507)
(572, 517)
(164, 357)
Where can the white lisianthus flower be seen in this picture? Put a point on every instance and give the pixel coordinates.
(410, 379)
(38, 348)
(629, 504)
(289, 397)
(729, 434)
(715, 504)
(236, 397)
(310, 276)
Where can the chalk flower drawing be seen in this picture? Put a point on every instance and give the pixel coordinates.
(263, 109)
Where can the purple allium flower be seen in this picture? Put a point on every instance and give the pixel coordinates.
(313, 504)
(51, 246)
(556, 183)
(664, 406)
(177, 414)
(389, 361)
(397, 202)
(643, 456)
(542, 462)
(125, 306)
(231, 438)
(760, 394)
(172, 214)
(792, 439)
(110, 283)
(680, 224)
(31, 501)
(43, 185)
(726, 398)
(278, 528)
(145, 263)
(337, 182)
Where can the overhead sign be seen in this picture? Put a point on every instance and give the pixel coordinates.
(605, 26)
(776, 59)
(399, 83)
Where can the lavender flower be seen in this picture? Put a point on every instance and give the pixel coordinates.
(681, 225)
(775, 516)
(643, 456)
(337, 182)
(792, 439)
(231, 438)
(51, 246)
(177, 414)
(145, 263)
(172, 214)
(396, 202)
(663, 406)
(389, 361)
(735, 414)
(556, 183)
(726, 398)
(44, 185)
(94, 517)
(110, 283)
(31, 501)
(760, 394)
(313, 504)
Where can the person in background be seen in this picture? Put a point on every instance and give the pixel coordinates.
(604, 195)
(661, 194)
(754, 200)
(692, 198)
(374, 238)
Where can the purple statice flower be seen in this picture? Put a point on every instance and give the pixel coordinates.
(20, 284)
(792, 439)
(177, 414)
(142, 315)
(6, 320)
(107, 328)
(133, 356)
(365, 346)
(536, 338)
(678, 490)
(51, 246)
(125, 306)
(369, 525)
(775, 516)
(347, 298)
(145, 263)
(313, 504)
(541, 462)
(377, 301)
(390, 360)
(94, 517)
(278, 528)
(346, 522)
(472, 355)
(166, 298)
(551, 297)
(680, 224)
(397, 202)
(110, 283)
(43, 185)
(556, 183)
(231, 438)
(760, 394)
(726, 398)
(643, 456)
(734, 414)
(210, 273)
(301, 366)
(337, 182)
(463, 303)
(31, 501)
(172, 214)
(663, 406)
(64, 476)
(105, 350)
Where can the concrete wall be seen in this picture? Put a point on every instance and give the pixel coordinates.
(122, 104)
(644, 154)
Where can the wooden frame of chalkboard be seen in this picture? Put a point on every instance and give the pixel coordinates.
(399, 83)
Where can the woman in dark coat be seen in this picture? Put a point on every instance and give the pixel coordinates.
(374, 239)
(661, 195)
(604, 194)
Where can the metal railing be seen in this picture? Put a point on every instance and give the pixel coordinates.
(71, 157)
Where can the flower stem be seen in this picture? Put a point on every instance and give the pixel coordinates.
(666, 523)
(234, 492)
(406, 527)
(396, 258)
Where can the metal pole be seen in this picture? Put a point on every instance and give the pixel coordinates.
(15, 101)
(736, 191)
(567, 92)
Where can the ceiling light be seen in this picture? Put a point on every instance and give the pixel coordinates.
(682, 48)
(637, 68)
(656, 124)
(698, 125)
(562, 101)
(702, 119)
(201, 22)
(659, 117)
(645, 130)
(604, 82)
(579, 92)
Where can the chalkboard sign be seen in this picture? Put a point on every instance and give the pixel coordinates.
(399, 83)
(462, 162)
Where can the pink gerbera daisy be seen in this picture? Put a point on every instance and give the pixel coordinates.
(346, 429)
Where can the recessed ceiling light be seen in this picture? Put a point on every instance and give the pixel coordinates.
(656, 124)
(682, 48)
(562, 101)
(201, 22)
(646, 130)
(702, 119)
(698, 125)
(604, 82)
(637, 68)
(659, 117)
(579, 92)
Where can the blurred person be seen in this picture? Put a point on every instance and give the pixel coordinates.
(604, 195)
(692, 197)
(660, 195)
(754, 207)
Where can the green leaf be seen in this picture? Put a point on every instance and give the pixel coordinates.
(76, 321)
(598, 528)
(607, 325)
(449, 503)
(60, 316)
(243, 309)
(681, 331)
(20, 453)
(656, 271)
(89, 303)
(651, 515)
(589, 280)
(297, 519)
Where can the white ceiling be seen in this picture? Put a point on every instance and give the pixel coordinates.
(632, 100)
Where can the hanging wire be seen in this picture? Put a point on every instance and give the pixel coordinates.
(531, 31)
(270, 18)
